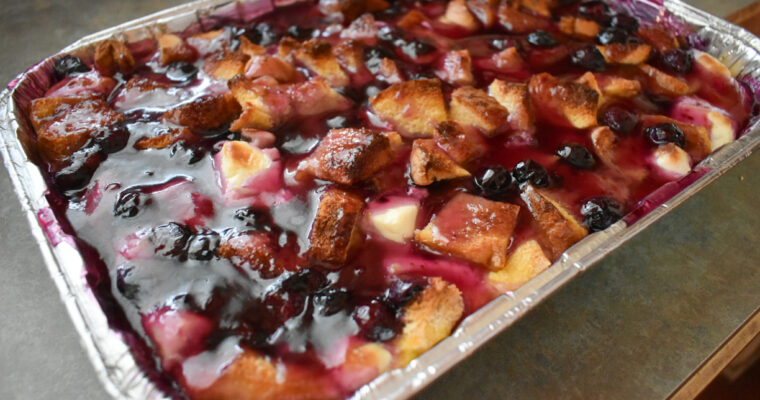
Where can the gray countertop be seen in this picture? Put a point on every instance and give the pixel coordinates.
(634, 326)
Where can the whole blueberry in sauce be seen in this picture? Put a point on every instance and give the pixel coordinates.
(495, 181)
(678, 61)
(612, 35)
(601, 212)
(619, 119)
(576, 155)
(666, 132)
(529, 171)
(542, 39)
(181, 71)
(624, 22)
(589, 58)
(69, 65)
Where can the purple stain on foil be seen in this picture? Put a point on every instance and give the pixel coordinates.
(52, 229)
(662, 195)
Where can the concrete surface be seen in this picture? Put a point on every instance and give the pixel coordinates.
(634, 326)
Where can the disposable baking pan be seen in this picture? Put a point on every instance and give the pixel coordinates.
(109, 349)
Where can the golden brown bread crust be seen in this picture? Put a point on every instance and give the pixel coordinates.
(413, 107)
(524, 263)
(662, 40)
(580, 28)
(561, 230)
(205, 113)
(172, 49)
(226, 66)
(335, 229)
(661, 83)
(264, 65)
(698, 143)
(470, 106)
(112, 56)
(264, 103)
(625, 53)
(472, 228)
(163, 138)
(482, 10)
(461, 144)
(514, 97)
(429, 164)
(317, 56)
(563, 103)
(457, 68)
(516, 21)
(458, 13)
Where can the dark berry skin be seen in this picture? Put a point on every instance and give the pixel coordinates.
(170, 239)
(68, 66)
(664, 133)
(576, 155)
(624, 22)
(678, 61)
(595, 10)
(377, 321)
(612, 35)
(589, 58)
(203, 246)
(262, 34)
(332, 301)
(542, 39)
(495, 182)
(129, 202)
(181, 71)
(600, 213)
(619, 120)
(416, 49)
(299, 32)
(531, 171)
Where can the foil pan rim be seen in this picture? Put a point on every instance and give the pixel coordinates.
(115, 365)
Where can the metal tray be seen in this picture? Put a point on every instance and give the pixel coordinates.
(110, 353)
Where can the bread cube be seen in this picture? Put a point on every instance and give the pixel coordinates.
(430, 164)
(211, 42)
(429, 318)
(204, 113)
(245, 170)
(413, 107)
(226, 66)
(317, 56)
(263, 65)
(711, 65)
(625, 53)
(457, 13)
(389, 72)
(249, 48)
(315, 97)
(560, 228)
(615, 86)
(254, 251)
(605, 143)
(457, 68)
(508, 60)
(472, 228)
(364, 362)
(518, 22)
(661, 39)
(163, 137)
(525, 262)
(698, 143)
(287, 47)
(172, 48)
(515, 97)
(349, 56)
(568, 104)
(349, 155)
(64, 125)
(579, 28)
(411, 20)
(474, 107)
(396, 223)
(538, 7)
(176, 334)
(463, 145)
(664, 84)
(673, 160)
(112, 56)
(482, 10)
(363, 28)
(719, 124)
(266, 105)
(335, 230)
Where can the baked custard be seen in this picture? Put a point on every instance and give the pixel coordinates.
(289, 208)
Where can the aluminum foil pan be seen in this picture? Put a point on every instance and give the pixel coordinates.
(109, 350)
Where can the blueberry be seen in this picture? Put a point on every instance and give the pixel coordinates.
(664, 133)
(576, 155)
(300, 32)
(123, 285)
(181, 71)
(530, 171)
(332, 301)
(595, 10)
(69, 65)
(495, 181)
(542, 39)
(170, 239)
(129, 203)
(191, 153)
(377, 321)
(678, 61)
(304, 281)
(619, 119)
(612, 35)
(624, 22)
(262, 34)
(251, 218)
(416, 49)
(601, 212)
(78, 172)
(589, 58)
(203, 246)
(112, 139)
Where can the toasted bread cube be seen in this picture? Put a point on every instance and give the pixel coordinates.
(287, 48)
(176, 334)
(172, 49)
(580, 28)
(163, 137)
(518, 22)
(253, 251)
(315, 97)
(470, 106)
(413, 107)
(389, 72)
(70, 126)
(412, 20)
(472, 228)
(457, 68)
(252, 376)
(249, 48)
(661, 83)
(205, 113)
(265, 104)
(673, 160)
(615, 86)
(569, 104)
(245, 170)
(538, 7)
(348, 10)
(112, 56)
(661, 39)
(461, 144)
(349, 55)
(44, 109)
(525, 262)
(429, 318)
(589, 79)
(317, 56)
(363, 28)
(605, 143)
(482, 10)
(698, 143)
(396, 223)
(515, 97)
(363, 364)
(561, 230)
(211, 42)
(349, 155)
(711, 65)
(263, 65)
(625, 53)
(335, 230)
(430, 164)
(719, 124)
(226, 66)
(457, 13)
(508, 60)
